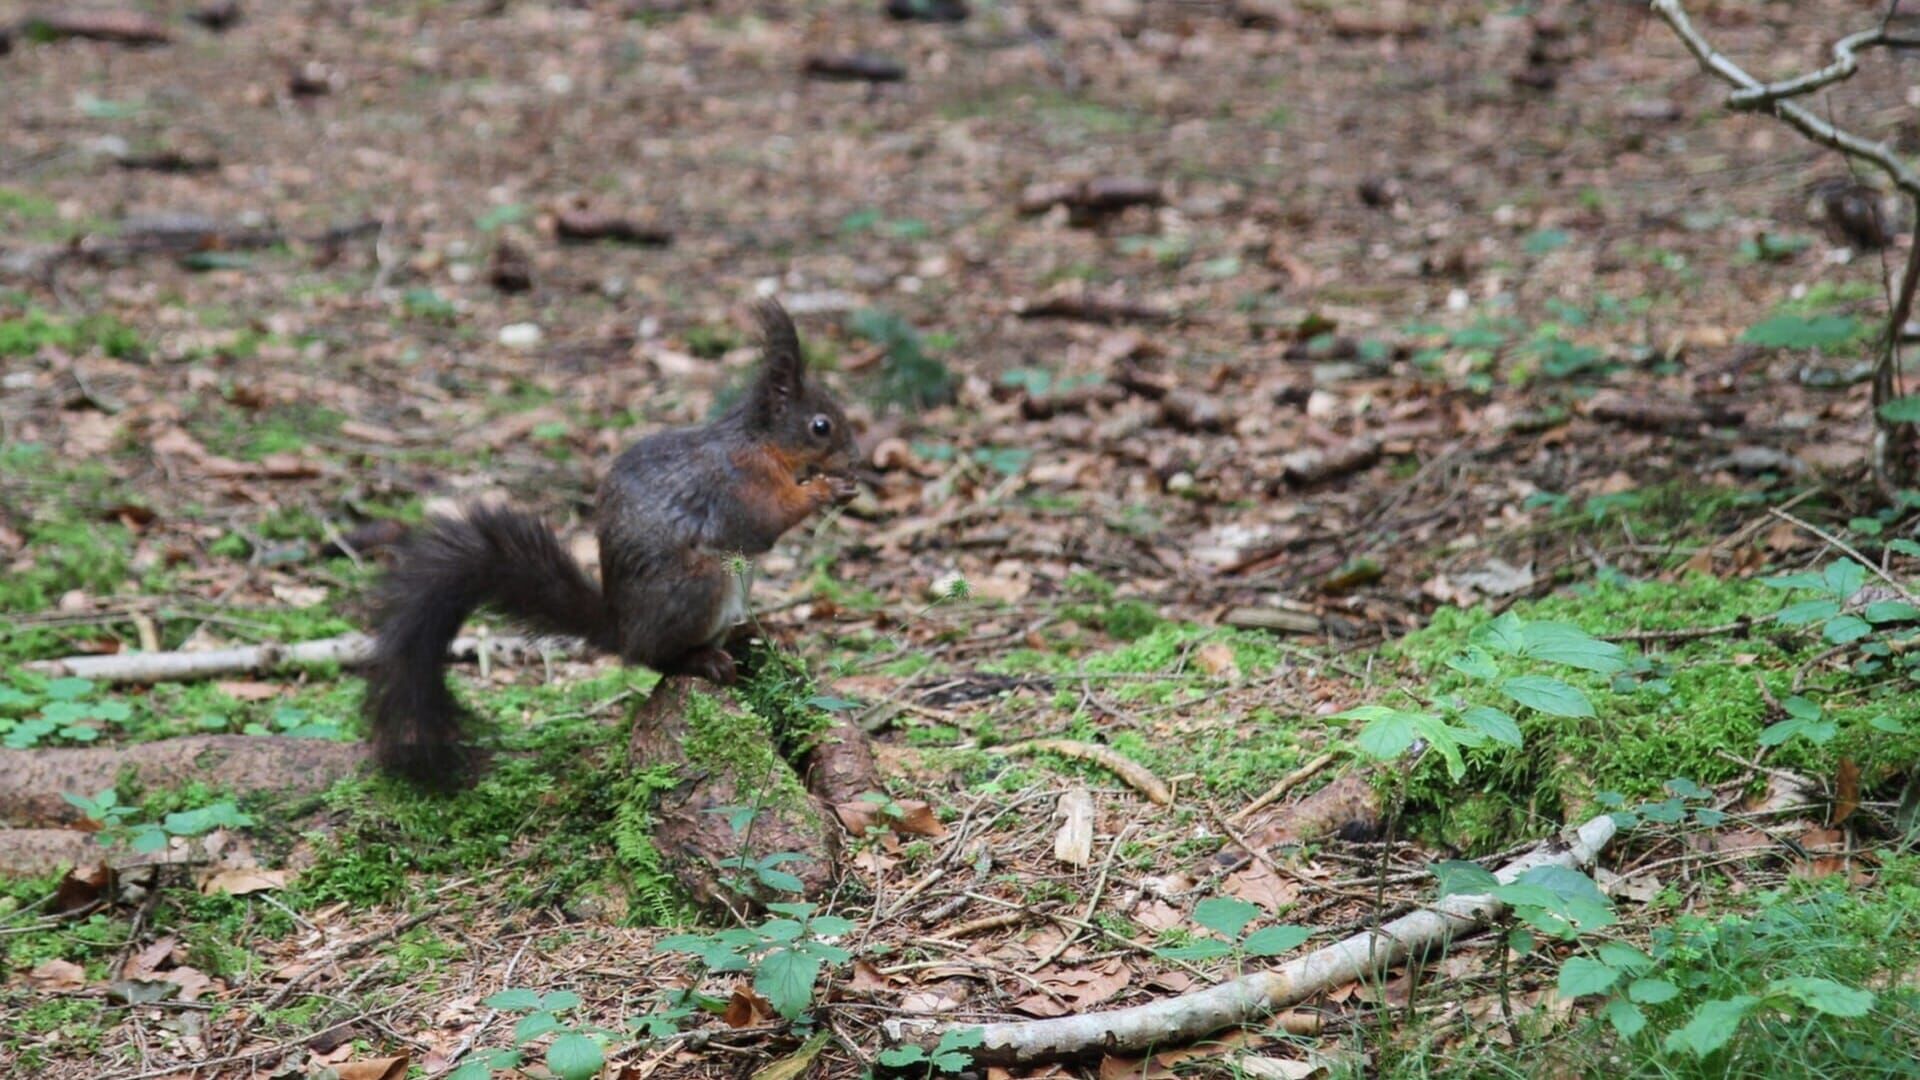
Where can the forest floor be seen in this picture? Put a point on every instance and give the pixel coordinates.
(1447, 322)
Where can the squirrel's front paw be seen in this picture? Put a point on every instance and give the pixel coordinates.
(842, 488)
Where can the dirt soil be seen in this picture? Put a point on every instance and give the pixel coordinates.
(1413, 279)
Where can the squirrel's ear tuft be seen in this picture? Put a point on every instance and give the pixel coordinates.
(782, 367)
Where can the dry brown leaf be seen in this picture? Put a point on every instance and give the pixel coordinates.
(191, 981)
(57, 975)
(389, 1068)
(1075, 989)
(746, 1008)
(241, 881)
(1158, 915)
(1217, 659)
(1259, 885)
(1846, 786)
(146, 964)
(250, 690)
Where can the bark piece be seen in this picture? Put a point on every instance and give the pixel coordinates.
(1659, 414)
(854, 67)
(933, 11)
(588, 226)
(1190, 410)
(1304, 468)
(1278, 620)
(1073, 844)
(1087, 201)
(1250, 998)
(508, 269)
(724, 758)
(1348, 807)
(217, 15)
(1093, 308)
(168, 161)
(113, 27)
(839, 767)
(33, 782)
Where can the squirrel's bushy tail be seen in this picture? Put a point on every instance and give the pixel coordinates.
(493, 557)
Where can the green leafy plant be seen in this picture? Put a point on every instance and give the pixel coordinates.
(65, 709)
(910, 376)
(949, 1054)
(1453, 724)
(576, 1052)
(786, 954)
(1228, 917)
(147, 837)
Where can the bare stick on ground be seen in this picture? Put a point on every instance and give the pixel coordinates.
(347, 650)
(1251, 998)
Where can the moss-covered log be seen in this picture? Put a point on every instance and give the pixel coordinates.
(728, 817)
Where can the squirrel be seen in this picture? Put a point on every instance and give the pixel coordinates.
(675, 516)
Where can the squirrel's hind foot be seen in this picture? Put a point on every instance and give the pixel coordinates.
(707, 662)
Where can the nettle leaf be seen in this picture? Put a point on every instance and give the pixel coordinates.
(831, 926)
(1505, 634)
(1795, 581)
(785, 978)
(1825, 995)
(560, 1000)
(1548, 695)
(1204, 949)
(1810, 611)
(1800, 708)
(1686, 788)
(1843, 629)
(1475, 663)
(1802, 331)
(1225, 915)
(1901, 410)
(1652, 991)
(1844, 577)
(534, 1025)
(1585, 975)
(1623, 956)
(1664, 812)
(1626, 1019)
(574, 1057)
(796, 910)
(1887, 724)
(779, 879)
(782, 930)
(1886, 611)
(1817, 732)
(148, 839)
(1274, 940)
(830, 703)
(899, 1056)
(1447, 741)
(1494, 724)
(514, 999)
(1461, 878)
(1713, 1023)
(1564, 643)
(1386, 737)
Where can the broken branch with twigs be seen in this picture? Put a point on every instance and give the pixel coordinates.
(1251, 998)
(1777, 98)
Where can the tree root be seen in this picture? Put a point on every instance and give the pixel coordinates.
(32, 782)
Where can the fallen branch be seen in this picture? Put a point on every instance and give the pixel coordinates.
(1252, 998)
(347, 650)
(1287, 783)
(1137, 776)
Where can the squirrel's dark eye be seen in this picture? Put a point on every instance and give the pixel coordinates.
(822, 426)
